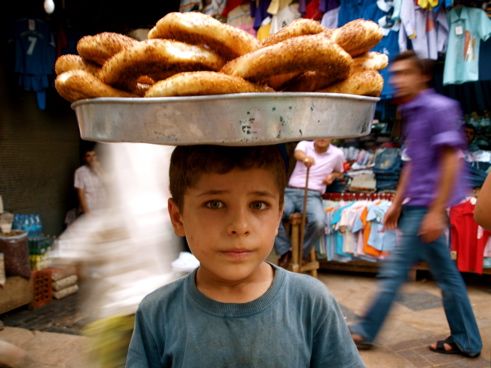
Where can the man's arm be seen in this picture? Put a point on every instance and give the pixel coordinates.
(82, 200)
(394, 211)
(435, 221)
(482, 212)
(332, 176)
(302, 157)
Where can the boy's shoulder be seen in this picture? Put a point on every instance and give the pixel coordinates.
(304, 285)
(161, 297)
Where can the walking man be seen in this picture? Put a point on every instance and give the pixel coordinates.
(430, 182)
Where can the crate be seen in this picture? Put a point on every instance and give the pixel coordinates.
(42, 288)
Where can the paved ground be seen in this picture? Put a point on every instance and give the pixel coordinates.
(52, 335)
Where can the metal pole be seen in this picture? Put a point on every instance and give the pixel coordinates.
(304, 212)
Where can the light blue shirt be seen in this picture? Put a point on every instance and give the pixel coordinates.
(468, 26)
(295, 324)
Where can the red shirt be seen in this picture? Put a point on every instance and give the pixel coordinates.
(467, 238)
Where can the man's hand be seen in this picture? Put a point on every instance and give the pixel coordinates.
(433, 225)
(308, 161)
(329, 179)
(392, 217)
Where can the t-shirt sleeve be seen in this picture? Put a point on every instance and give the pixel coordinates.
(447, 127)
(483, 25)
(301, 146)
(79, 180)
(142, 351)
(340, 162)
(333, 345)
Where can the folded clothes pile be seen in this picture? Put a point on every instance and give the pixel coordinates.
(63, 282)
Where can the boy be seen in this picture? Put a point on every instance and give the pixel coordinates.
(236, 310)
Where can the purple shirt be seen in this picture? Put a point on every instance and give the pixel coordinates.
(431, 121)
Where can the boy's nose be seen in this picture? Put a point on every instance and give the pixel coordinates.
(238, 225)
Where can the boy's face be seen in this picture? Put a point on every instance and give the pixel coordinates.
(230, 222)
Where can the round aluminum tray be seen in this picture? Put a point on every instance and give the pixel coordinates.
(232, 120)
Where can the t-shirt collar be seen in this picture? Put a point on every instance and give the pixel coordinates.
(418, 101)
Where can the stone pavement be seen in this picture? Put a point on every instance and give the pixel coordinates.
(52, 335)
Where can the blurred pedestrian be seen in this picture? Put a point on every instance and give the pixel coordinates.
(430, 182)
(89, 182)
(482, 212)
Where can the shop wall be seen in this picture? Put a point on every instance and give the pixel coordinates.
(39, 151)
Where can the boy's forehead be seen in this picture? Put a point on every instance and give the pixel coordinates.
(239, 178)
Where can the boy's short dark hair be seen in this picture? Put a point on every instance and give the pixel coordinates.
(188, 163)
(425, 66)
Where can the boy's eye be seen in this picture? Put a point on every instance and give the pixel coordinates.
(214, 204)
(259, 205)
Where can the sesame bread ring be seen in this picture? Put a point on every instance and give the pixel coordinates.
(311, 81)
(100, 47)
(68, 62)
(358, 36)
(315, 80)
(367, 82)
(297, 54)
(278, 81)
(299, 27)
(75, 85)
(157, 59)
(202, 83)
(201, 29)
(371, 60)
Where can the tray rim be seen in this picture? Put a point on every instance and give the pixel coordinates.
(230, 96)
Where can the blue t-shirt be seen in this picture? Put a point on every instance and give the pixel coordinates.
(468, 26)
(296, 323)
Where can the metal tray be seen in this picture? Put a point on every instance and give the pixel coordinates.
(232, 119)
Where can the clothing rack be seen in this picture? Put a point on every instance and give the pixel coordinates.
(346, 196)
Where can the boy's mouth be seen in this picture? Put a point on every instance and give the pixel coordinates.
(237, 253)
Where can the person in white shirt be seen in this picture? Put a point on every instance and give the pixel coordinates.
(89, 183)
(326, 164)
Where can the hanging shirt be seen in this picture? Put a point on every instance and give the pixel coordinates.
(35, 55)
(214, 7)
(240, 17)
(380, 12)
(259, 11)
(468, 26)
(284, 17)
(467, 238)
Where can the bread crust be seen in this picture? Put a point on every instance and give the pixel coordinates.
(75, 85)
(358, 36)
(102, 46)
(367, 82)
(68, 62)
(201, 29)
(202, 83)
(157, 59)
(296, 54)
(299, 27)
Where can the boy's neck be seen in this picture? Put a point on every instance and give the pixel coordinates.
(237, 292)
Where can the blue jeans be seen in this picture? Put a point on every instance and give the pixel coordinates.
(316, 219)
(460, 317)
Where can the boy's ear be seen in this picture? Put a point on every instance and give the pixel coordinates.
(279, 220)
(175, 217)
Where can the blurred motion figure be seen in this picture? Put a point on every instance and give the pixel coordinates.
(430, 182)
